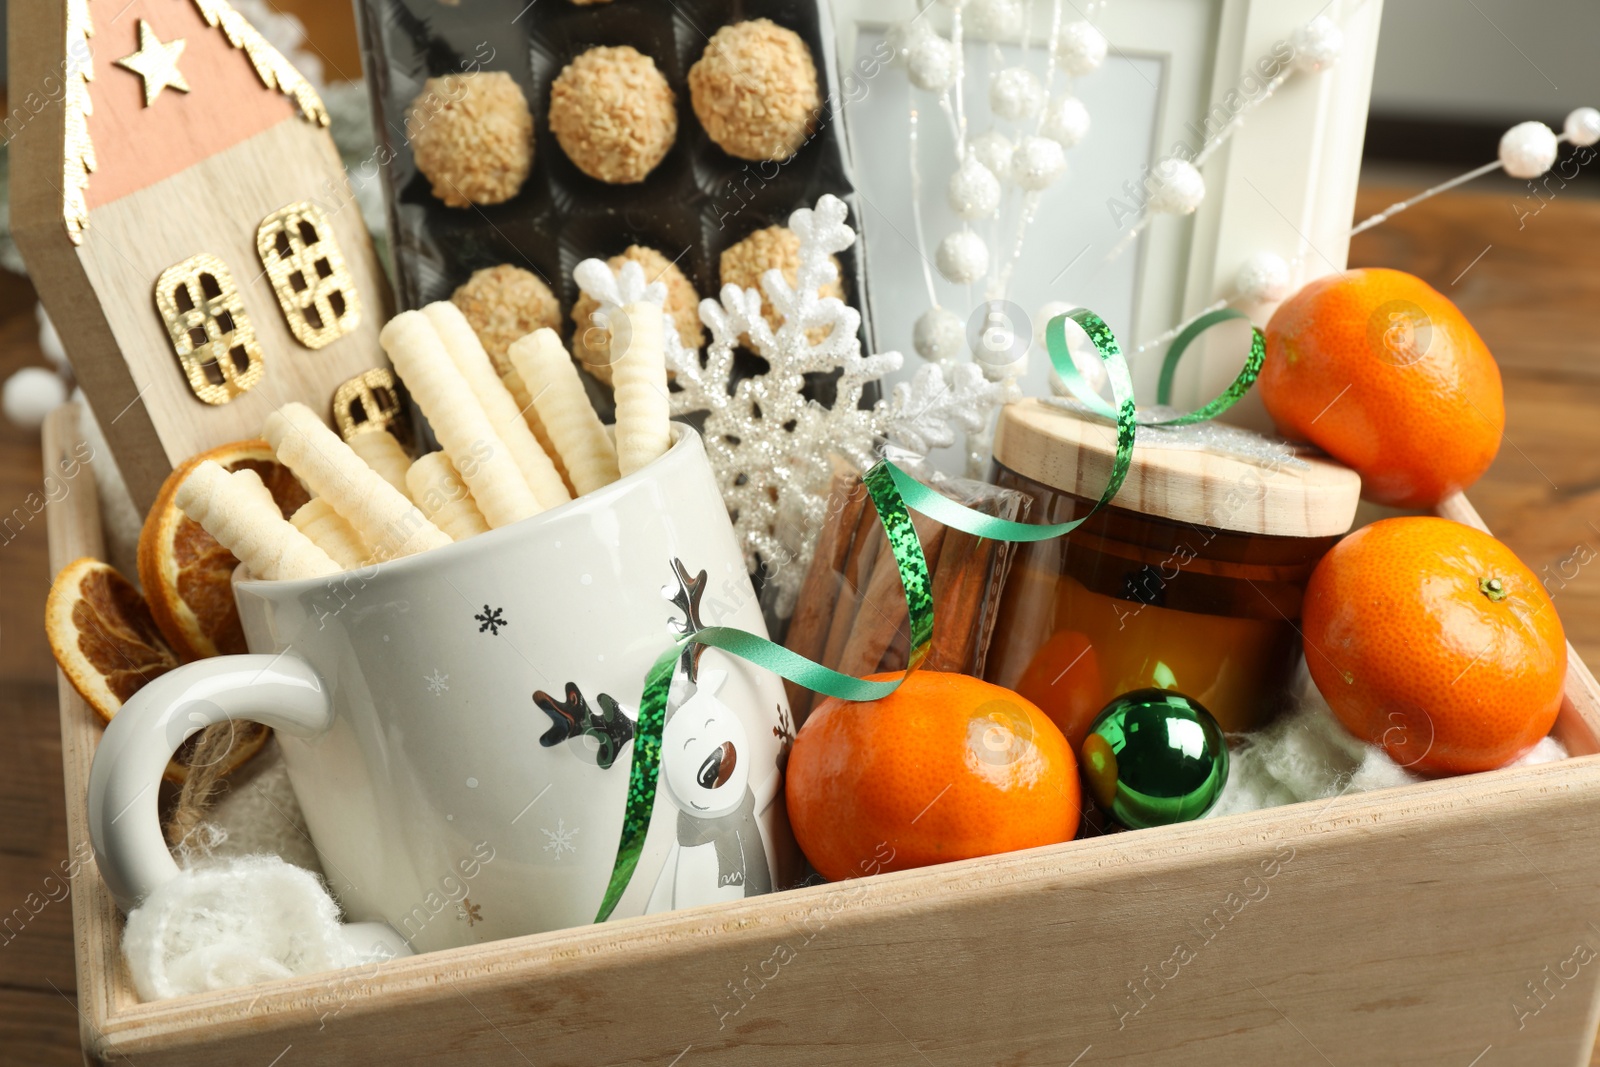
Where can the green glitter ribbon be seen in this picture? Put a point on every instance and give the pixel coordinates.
(643, 773)
(895, 494)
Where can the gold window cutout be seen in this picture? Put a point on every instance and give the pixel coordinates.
(370, 401)
(307, 271)
(210, 331)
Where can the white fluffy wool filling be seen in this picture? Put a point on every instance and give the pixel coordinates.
(233, 922)
(1305, 754)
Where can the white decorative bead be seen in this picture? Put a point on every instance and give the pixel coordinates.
(1004, 333)
(932, 64)
(1317, 44)
(1176, 187)
(993, 150)
(1082, 350)
(1012, 366)
(939, 335)
(962, 257)
(995, 20)
(1528, 149)
(1015, 94)
(1263, 278)
(1037, 163)
(974, 190)
(30, 394)
(904, 36)
(1066, 121)
(1081, 48)
(1583, 127)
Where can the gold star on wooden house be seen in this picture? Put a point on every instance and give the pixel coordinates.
(156, 63)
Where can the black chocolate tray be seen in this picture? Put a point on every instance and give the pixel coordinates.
(697, 202)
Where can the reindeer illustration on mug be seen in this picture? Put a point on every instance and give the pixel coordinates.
(717, 852)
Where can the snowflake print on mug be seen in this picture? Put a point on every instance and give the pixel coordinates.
(436, 682)
(560, 839)
(491, 619)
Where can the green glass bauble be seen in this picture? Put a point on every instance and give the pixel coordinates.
(1155, 757)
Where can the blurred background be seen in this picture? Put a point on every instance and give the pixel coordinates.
(1452, 76)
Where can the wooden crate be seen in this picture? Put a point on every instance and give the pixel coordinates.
(1439, 923)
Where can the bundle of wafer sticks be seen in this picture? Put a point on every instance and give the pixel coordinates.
(497, 464)
(851, 614)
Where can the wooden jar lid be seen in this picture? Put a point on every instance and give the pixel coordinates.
(1074, 454)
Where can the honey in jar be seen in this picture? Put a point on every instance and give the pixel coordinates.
(1190, 581)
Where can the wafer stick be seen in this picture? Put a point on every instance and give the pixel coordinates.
(380, 451)
(330, 532)
(519, 392)
(443, 497)
(466, 351)
(383, 516)
(458, 420)
(238, 510)
(559, 398)
(639, 380)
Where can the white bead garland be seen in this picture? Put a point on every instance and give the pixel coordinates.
(1037, 162)
(1528, 149)
(993, 150)
(974, 190)
(1583, 127)
(1263, 278)
(1081, 48)
(1066, 121)
(1015, 94)
(1317, 44)
(1176, 187)
(962, 258)
(932, 64)
(939, 335)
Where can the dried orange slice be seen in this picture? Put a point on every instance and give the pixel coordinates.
(103, 636)
(185, 572)
(108, 645)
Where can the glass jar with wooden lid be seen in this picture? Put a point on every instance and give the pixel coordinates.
(1190, 581)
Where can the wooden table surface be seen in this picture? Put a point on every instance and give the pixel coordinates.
(1530, 289)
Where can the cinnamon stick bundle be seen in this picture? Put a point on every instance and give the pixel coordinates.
(881, 613)
(851, 613)
(820, 592)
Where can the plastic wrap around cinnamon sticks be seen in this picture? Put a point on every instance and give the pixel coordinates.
(851, 612)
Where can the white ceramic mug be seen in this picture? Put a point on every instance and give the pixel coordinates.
(457, 724)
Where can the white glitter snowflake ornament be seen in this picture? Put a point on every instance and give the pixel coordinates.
(770, 446)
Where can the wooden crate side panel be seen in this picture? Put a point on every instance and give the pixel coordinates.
(74, 532)
(1400, 927)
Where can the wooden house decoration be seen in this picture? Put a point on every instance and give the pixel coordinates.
(189, 226)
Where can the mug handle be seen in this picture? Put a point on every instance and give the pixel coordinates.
(282, 691)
